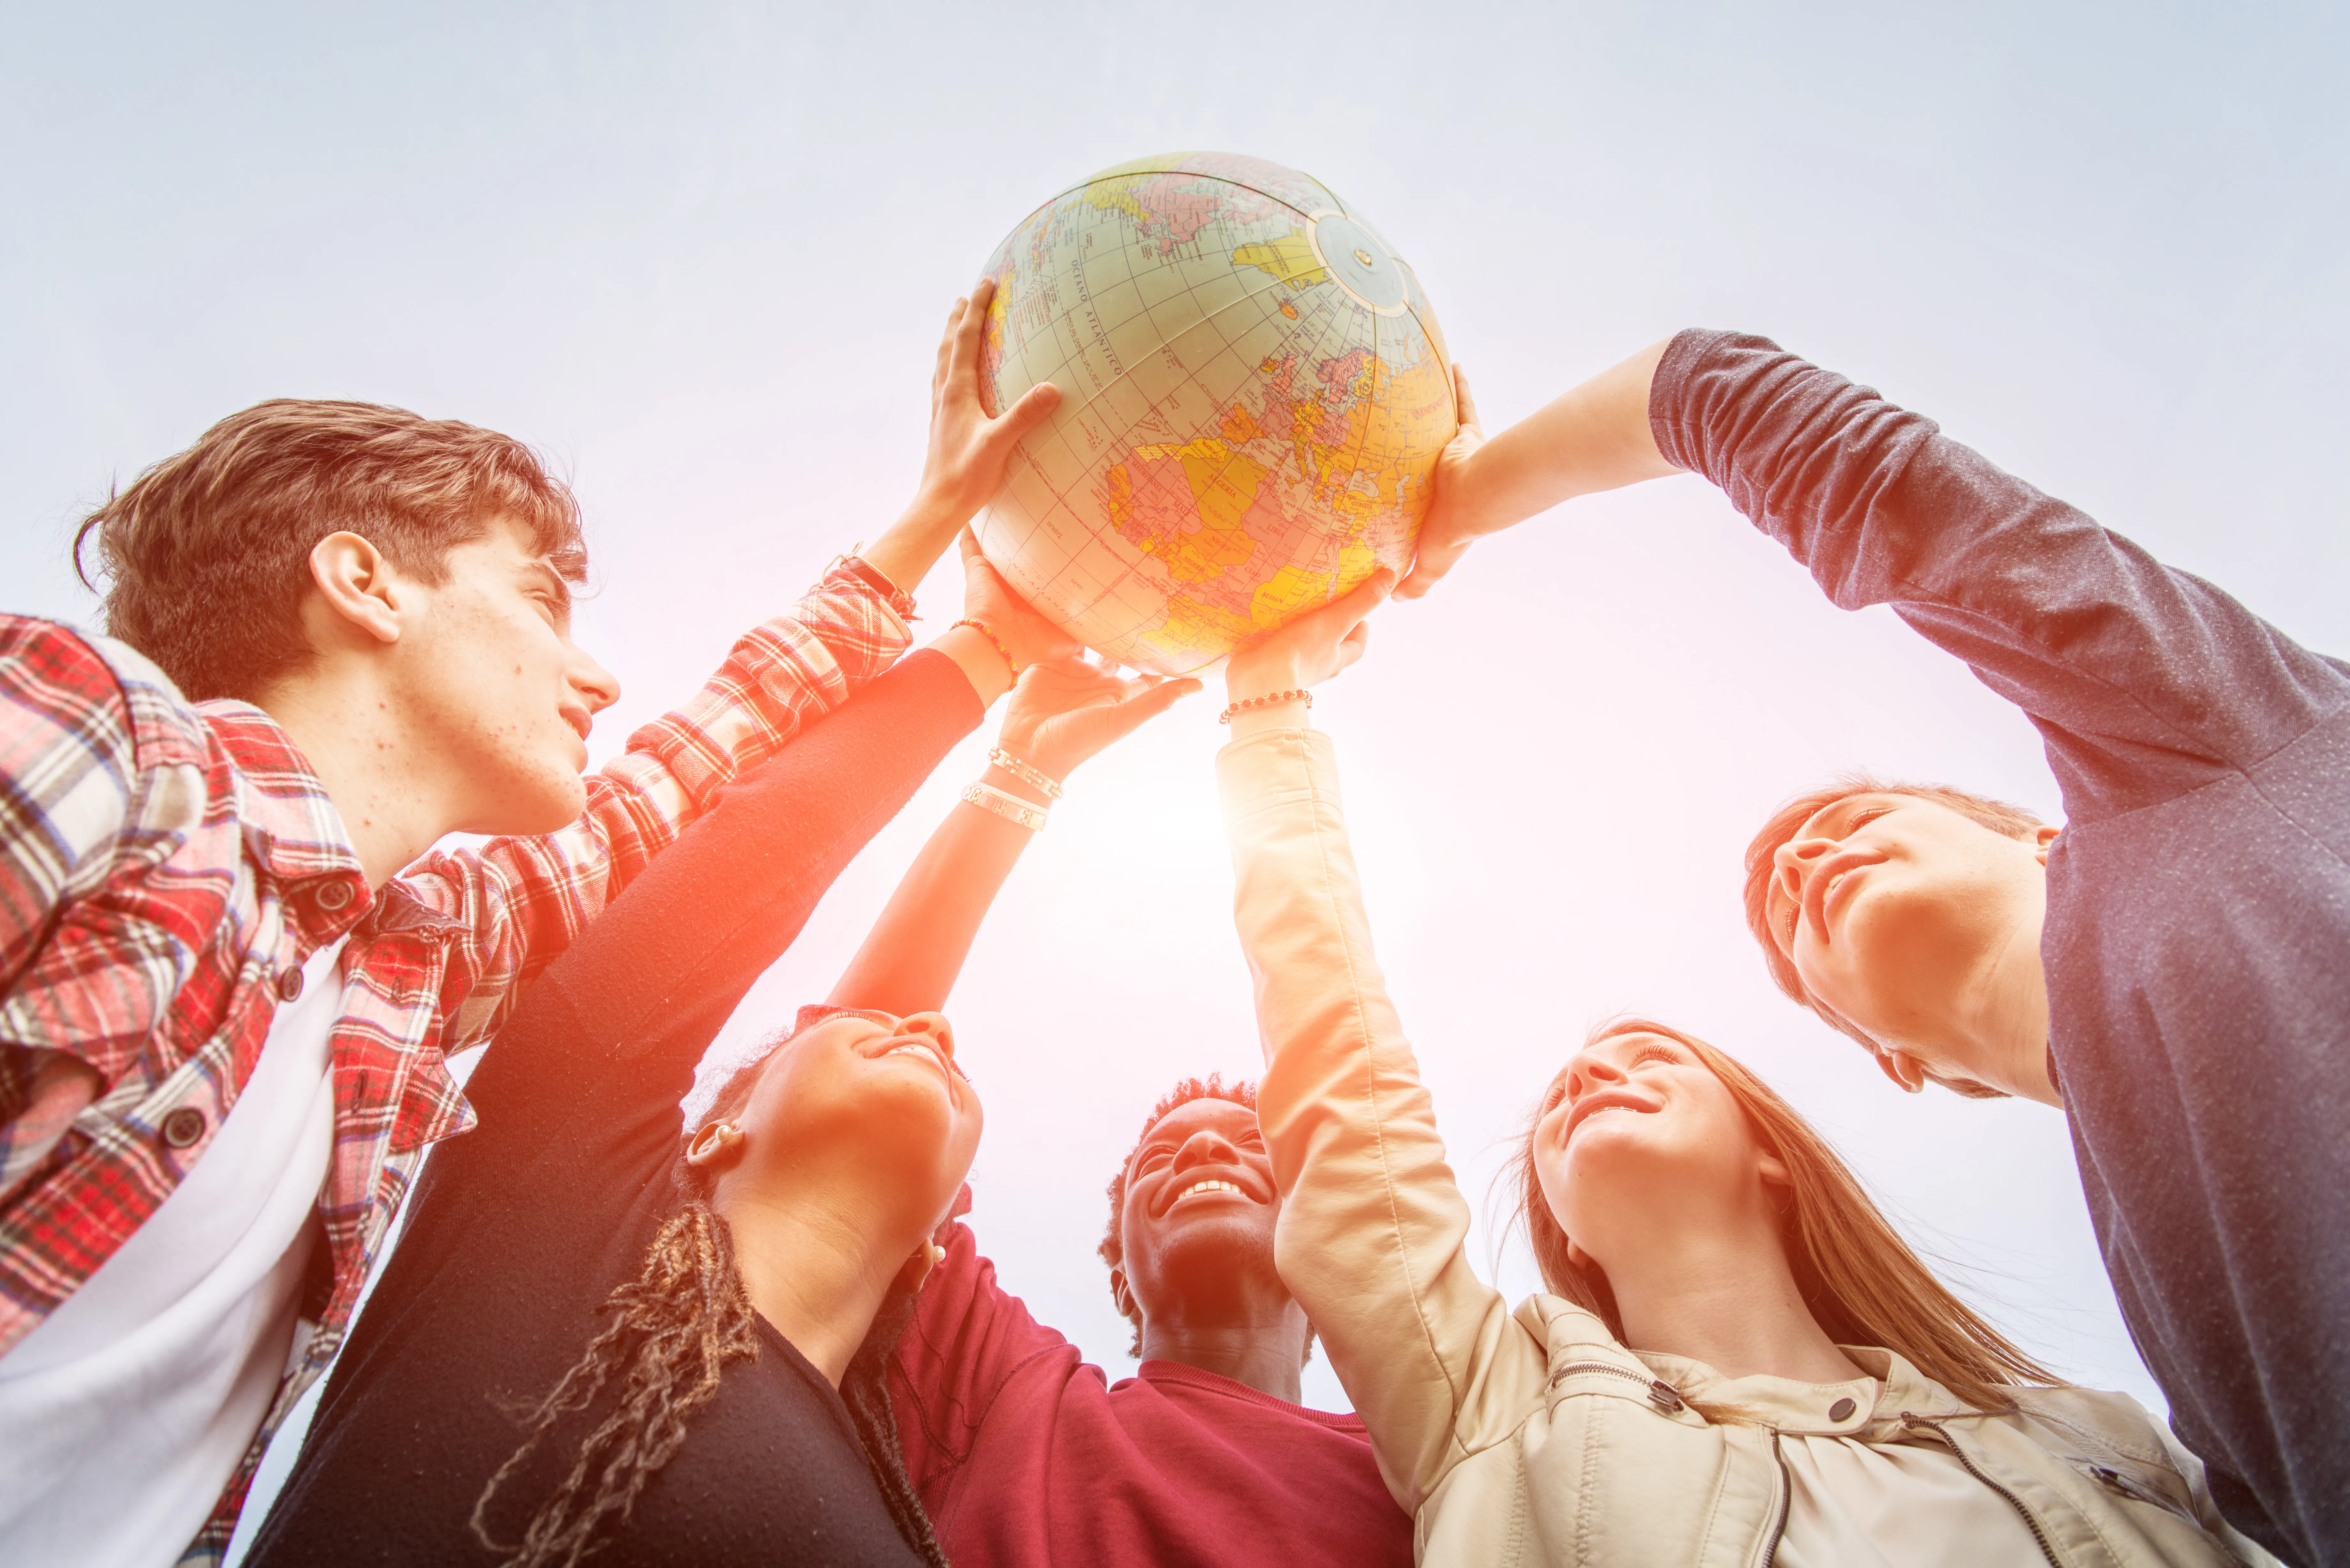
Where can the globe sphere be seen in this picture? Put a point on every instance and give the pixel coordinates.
(1254, 394)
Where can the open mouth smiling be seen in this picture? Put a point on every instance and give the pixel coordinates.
(1601, 1103)
(921, 1046)
(1206, 1186)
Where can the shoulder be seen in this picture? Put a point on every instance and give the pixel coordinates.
(2113, 1422)
(103, 695)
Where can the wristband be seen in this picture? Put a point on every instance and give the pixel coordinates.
(1010, 807)
(994, 640)
(1278, 698)
(1028, 773)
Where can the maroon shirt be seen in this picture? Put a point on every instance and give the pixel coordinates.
(1025, 1454)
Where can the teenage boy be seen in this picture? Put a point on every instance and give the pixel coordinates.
(2173, 968)
(228, 983)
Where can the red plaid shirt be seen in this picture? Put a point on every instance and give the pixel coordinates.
(168, 867)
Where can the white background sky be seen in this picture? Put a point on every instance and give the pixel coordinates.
(699, 253)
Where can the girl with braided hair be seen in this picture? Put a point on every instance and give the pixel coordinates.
(601, 1337)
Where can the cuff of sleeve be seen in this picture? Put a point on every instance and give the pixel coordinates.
(873, 577)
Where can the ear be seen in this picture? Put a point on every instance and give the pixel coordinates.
(1122, 1295)
(357, 585)
(916, 1273)
(1774, 1171)
(716, 1148)
(1903, 1069)
(1577, 1256)
(2042, 840)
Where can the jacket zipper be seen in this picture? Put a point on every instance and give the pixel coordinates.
(1661, 1394)
(1786, 1501)
(2038, 1536)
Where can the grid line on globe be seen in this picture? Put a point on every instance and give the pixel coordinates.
(1254, 393)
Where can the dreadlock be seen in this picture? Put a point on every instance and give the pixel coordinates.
(675, 1328)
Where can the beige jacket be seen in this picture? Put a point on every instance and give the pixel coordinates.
(1533, 1437)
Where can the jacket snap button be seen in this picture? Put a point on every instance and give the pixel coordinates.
(183, 1127)
(1842, 1410)
(333, 897)
(289, 983)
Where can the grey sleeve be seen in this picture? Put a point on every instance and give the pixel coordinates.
(2145, 682)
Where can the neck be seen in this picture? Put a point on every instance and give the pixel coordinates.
(1725, 1297)
(373, 767)
(2002, 1027)
(818, 1260)
(1260, 1342)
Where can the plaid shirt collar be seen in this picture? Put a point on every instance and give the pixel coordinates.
(290, 826)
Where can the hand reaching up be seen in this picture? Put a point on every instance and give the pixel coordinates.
(1453, 522)
(968, 450)
(1065, 710)
(989, 599)
(1311, 648)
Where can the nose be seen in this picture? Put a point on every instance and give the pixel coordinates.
(1206, 1146)
(596, 684)
(933, 1025)
(1793, 858)
(1591, 1070)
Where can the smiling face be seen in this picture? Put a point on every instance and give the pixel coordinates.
(490, 672)
(883, 1103)
(1893, 910)
(1637, 1137)
(1197, 1216)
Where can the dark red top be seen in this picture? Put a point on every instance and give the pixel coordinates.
(1027, 1455)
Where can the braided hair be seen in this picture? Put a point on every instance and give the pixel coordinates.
(674, 1329)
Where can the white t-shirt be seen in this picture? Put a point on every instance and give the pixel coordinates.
(124, 1413)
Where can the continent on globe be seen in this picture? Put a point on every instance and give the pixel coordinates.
(1254, 394)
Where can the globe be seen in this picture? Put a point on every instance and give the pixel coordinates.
(1254, 394)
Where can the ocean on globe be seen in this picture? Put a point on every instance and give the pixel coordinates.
(1254, 394)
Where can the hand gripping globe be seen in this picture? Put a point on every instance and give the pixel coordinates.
(1254, 394)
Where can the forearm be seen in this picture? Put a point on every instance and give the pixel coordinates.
(913, 544)
(1592, 437)
(917, 949)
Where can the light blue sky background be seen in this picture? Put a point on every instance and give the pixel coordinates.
(699, 253)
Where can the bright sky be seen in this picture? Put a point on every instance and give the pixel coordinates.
(700, 253)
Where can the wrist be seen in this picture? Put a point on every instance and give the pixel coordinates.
(1289, 715)
(1013, 783)
(982, 663)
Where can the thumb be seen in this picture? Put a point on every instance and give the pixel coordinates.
(1428, 568)
(967, 545)
(1026, 414)
(1348, 609)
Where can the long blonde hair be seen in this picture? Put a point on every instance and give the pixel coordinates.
(1861, 1280)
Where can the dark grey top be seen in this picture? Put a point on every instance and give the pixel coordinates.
(2198, 944)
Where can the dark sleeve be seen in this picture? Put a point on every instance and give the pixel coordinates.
(968, 1337)
(2145, 682)
(649, 983)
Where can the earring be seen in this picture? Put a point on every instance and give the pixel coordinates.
(938, 1254)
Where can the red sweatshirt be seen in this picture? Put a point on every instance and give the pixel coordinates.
(1026, 1455)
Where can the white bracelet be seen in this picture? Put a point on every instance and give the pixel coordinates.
(1010, 807)
(1035, 778)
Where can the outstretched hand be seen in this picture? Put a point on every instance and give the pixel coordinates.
(1312, 648)
(1452, 522)
(990, 600)
(963, 467)
(1065, 710)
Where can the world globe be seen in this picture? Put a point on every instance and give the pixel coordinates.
(1254, 394)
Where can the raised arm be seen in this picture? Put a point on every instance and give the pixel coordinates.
(1373, 1227)
(1061, 712)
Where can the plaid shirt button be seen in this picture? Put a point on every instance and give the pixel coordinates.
(333, 898)
(289, 984)
(182, 1127)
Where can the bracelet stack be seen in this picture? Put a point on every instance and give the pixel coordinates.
(1010, 807)
(1035, 778)
(1245, 704)
(997, 642)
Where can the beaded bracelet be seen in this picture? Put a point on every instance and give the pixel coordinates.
(1010, 807)
(1245, 704)
(996, 641)
(1035, 778)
